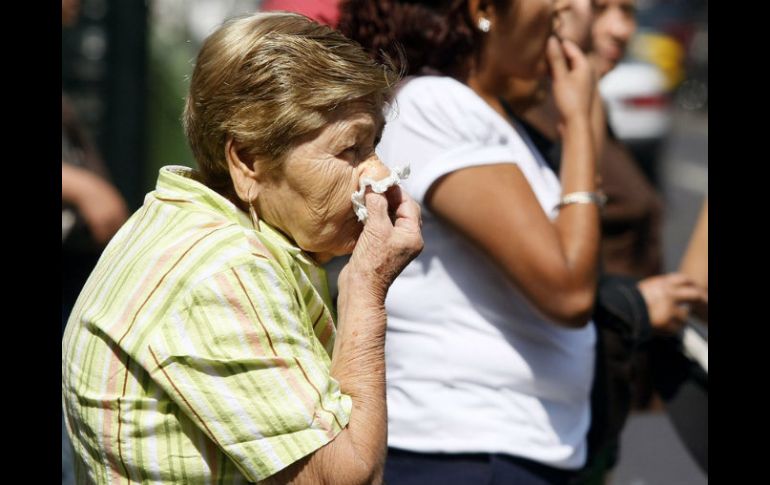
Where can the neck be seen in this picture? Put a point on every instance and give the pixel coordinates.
(544, 117)
(488, 87)
(321, 258)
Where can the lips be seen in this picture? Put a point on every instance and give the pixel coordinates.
(611, 53)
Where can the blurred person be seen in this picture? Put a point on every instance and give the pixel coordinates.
(100, 204)
(626, 311)
(613, 26)
(204, 347)
(490, 350)
(92, 208)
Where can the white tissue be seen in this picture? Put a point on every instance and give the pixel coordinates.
(379, 186)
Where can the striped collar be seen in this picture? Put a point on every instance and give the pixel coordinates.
(177, 183)
(180, 184)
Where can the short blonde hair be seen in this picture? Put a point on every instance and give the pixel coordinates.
(268, 80)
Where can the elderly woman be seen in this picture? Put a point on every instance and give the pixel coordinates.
(203, 348)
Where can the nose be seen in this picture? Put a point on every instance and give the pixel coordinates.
(622, 27)
(373, 168)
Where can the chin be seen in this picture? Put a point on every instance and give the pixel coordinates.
(534, 71)
(339, 246)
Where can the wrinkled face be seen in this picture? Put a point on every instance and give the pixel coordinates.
(575, 23)
(518, 38)
(614, 24)
(310, 202)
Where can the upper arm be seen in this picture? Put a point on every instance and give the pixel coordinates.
(468, 168)
(495, 207)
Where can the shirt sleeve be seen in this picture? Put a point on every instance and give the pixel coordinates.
(437, 126)
(240, 358)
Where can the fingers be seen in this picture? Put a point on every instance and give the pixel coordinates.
(573, 54)
(556, 58)
(680, 314)
(684, 290)
(376, 207)
(689, 294)
(407, 211)
(678, 279)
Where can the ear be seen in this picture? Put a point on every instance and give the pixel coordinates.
(242, 171)
(479, 9)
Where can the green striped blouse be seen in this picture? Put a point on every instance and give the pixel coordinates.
(199, 349)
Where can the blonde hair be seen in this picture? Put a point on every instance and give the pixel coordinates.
(270, 79)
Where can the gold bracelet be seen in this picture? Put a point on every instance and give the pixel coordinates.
(597, 198)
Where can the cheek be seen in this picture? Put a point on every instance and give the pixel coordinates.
(325, 189)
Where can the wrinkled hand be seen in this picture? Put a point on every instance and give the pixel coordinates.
(390, 240)
(573, 79)
(669, 298)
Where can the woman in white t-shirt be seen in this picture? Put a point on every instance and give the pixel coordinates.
(489, 348)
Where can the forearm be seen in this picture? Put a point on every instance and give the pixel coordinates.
(695, 261)
(357, 453)
(577, 225)
(74, 181)
(359, 366)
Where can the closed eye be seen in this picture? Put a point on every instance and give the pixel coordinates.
(350, 153)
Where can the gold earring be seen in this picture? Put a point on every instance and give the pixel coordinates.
(253, 211)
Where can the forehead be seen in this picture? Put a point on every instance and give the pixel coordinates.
(352, 123)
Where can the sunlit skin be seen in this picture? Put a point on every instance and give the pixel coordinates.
(525, 25)
(309, 200)
(575, 22)
(614, 25)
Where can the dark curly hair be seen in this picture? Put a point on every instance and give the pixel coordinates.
(434, 35)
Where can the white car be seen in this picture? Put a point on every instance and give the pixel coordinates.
(637, 101)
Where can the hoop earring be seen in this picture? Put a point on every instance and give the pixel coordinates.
(484, 24)
(253, 211)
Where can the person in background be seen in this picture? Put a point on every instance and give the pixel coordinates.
(633, 300)
(490, 350)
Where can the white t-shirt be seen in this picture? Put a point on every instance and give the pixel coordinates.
(471, 365)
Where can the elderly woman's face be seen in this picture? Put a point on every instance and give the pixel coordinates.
(311, 201)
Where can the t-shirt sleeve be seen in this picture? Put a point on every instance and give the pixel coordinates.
(240, 358)
(437, 126)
